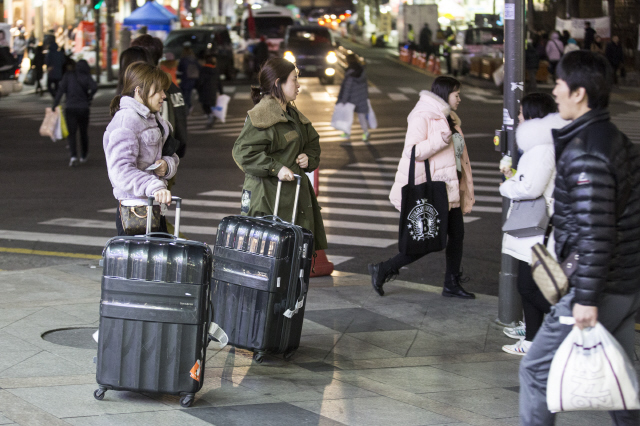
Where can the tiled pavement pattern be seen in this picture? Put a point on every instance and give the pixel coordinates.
(409, 358)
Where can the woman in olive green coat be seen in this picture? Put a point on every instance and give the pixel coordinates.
(276, 142)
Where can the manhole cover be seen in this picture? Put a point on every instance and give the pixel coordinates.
(81, 337)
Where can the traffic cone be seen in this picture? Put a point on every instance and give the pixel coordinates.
(321, 266)
(430, 63)
(436, 67)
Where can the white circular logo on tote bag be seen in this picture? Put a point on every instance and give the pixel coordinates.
(423, 221)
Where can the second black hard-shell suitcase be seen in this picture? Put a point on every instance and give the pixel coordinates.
(260, 281)
(155, 314)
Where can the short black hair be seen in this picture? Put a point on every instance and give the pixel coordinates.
(152, 44)
(538, 105)
(583, 68)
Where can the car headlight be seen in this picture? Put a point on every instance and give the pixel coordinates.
(332, 58)
(288, 55)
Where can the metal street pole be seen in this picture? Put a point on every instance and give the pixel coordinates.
(111, 4)
(510, 303)
(98, 36)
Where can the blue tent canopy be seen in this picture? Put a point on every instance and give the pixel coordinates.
(152, 15)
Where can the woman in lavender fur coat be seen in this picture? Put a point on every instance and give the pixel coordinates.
(134, 139)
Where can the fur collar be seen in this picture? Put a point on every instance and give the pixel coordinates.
(127, 102)
(537, 131)
(269, 112)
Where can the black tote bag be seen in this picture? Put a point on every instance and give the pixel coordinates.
(424, 213)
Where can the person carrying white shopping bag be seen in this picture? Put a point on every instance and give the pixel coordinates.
(590, 371)
(597, 221)
(355, 91)
(50, 123)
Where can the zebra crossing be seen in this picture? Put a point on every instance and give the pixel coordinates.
(355, 209)
(628, 123)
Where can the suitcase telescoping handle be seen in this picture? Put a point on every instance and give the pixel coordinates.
(178, 202)
(295, 201)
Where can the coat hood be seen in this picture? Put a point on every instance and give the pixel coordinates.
(269, 112)
(555, 36)
(431, 106)
(82, 67)
(537, 131)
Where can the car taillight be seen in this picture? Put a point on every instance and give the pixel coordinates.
(17, 73)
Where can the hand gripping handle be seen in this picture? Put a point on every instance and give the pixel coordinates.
(295, 201)
(178, 202)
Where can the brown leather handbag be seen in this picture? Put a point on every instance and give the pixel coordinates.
(134, 219)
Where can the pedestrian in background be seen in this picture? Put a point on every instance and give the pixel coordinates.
(276, 142)
(534, 178)
(189, 72)
(128, 57)
(209, 86)
(589, 35)
(425, 39)
(554, 50)
(597, 217)
(531, 64)
(260, 54)
(19, 46)
(134, 139)
(615, 56)
(174, 109)
(79, 88)
(355, 90)
(571, 46)
(55, 62)
(37, 64)
(564, 38)
(434, 129)
(598, 45)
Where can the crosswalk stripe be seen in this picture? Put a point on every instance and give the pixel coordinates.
(483, 188)
(488, 199)
(484, 164)
(242, 96)
(485, 209)
(336, 260)
(82, 240)
(397, 97)
(374, 132)
(374, 166)
(349, 240)
(355, 173)
(213, 131)
(109, 224)
(354, 201)
(372, 142)
(328, 223)
(359, 212)
(375, 90)
(354, 190)
(408, 90)
(486, 180)
(362, 181)
(219, 193)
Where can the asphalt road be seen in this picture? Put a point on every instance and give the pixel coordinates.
(49, 206)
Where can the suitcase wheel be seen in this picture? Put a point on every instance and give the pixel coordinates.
(258, 357)
(186, 401)
(287, 355)
(99, 394)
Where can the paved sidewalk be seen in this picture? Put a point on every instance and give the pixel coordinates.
(409, 358)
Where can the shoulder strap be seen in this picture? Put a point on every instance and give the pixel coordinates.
(412, 168)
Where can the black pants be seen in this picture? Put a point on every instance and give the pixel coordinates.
(455, 234)
(78, 119)
(534, 304)
(120, 228)
(52, 86)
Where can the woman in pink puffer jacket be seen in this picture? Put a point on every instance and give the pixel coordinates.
(434, 130)
(134, 140)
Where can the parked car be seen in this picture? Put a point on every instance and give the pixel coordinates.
(204, 39)
(313, 50)
(479, 42)
(9, 72)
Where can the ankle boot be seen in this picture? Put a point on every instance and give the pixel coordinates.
(380, 276)
(452, 287)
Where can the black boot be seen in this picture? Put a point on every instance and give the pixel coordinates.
(452, 287)
(380, 276)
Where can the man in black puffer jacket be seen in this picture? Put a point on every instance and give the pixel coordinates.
(597, 215)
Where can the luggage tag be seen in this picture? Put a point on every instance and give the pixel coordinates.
(217, 333)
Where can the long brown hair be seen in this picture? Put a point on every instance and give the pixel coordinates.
(272, 70)
(144, 76)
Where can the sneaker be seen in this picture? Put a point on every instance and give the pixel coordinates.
(517, 332)
(84, 159)
(73, 162)
(519, 348)
(345, 135)
(365, 136)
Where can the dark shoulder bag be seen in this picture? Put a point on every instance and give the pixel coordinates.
(424, 213)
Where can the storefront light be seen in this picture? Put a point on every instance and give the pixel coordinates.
(288, 55)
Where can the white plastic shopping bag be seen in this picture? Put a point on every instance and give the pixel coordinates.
(342, 118)
(591, 371)
(50, 124)
(220, 110)
(372, 121)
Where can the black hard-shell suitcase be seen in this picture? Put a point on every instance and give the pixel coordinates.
(260, 281)
(155, 314)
